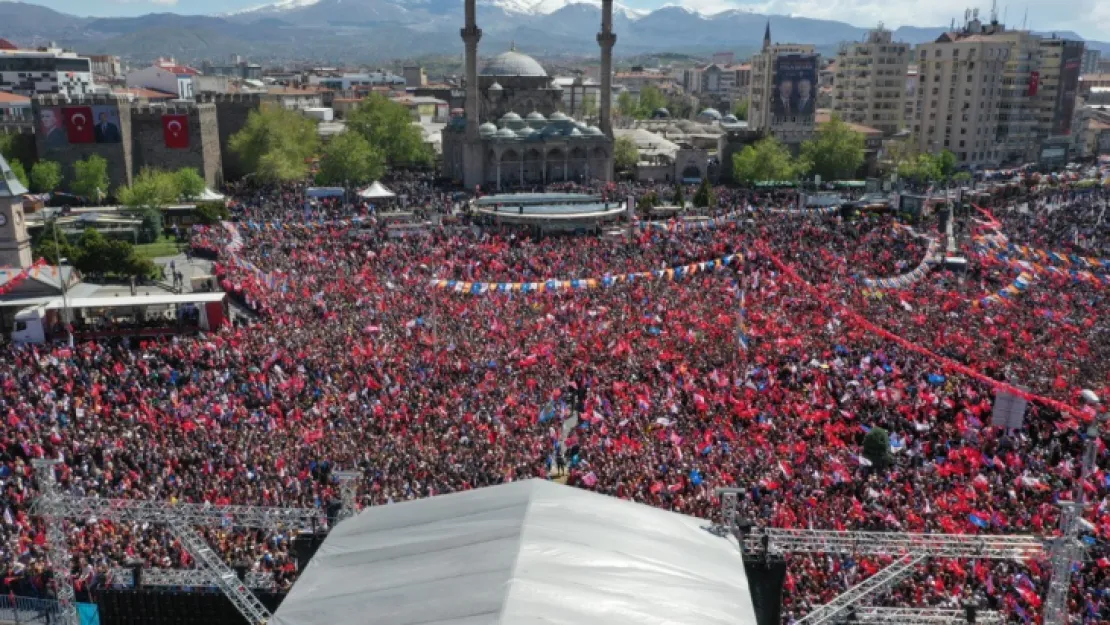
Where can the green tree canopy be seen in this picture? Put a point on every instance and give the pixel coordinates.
(93, 253)
(90, 178)
(704, 196)
(46, 176)
(876, 447)
(20, 173)
(679, 194)
(18, 147)
(152, 188)
(836, 153)
(625, 154)
(740, 110)
(766, 159)
(209, 213)
(276, 144)
(51, 245)
(651, 98)
(626, 105)
(946, 164)
(388, 128)
(921, 168)
(190, 184)
(349, 158)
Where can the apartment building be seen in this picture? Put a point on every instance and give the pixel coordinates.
(1019, 130)
(869, 85)
(1091, 60)
(45, 71)
(909, 99)
(960, 93)
(1058, 78)
(783, 93)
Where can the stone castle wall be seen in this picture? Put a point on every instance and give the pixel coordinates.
(203, 153)
(118, 155)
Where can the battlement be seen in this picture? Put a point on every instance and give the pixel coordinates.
(98, 99)
(170, 108)
(249, 99)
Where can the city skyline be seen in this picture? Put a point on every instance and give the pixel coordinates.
(1089, 19)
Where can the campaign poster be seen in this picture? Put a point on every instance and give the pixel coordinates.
(107, 128)
(52, 127)
(794, 97)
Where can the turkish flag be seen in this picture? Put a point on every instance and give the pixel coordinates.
(175, 130)
(80, 126)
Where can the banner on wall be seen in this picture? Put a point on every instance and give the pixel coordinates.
(175, 131)
(79, 123)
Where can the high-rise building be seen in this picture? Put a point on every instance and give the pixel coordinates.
(1061, 62)
(960, 93)
(783, 94)
(1019, 132)
(909, 101)
(44, 71)
(870, 81)
(1091, 60)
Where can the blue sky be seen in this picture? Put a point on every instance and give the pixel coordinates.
(1089, 18)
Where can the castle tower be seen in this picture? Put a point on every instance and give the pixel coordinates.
(15, 244)
(606, 39)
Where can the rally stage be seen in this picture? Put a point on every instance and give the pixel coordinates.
(549, 212)
(524, 552)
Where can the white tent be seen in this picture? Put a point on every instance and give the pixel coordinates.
(376, 192)
(524, 552)
(211, 196)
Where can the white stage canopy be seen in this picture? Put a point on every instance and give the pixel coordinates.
(376, 192)
(524, 552)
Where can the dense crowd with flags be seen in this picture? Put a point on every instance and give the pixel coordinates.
(761, 362)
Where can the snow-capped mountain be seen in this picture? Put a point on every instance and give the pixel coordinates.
(515, 8)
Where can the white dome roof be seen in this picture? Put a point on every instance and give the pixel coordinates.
(536, 116)
(510, 117)
(505, 133)
(594, 131)
(559, 116)
(496, 86)
(513, 63)
(487, 128)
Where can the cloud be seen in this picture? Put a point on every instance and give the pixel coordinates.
(166, 3)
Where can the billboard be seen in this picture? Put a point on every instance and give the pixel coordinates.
(794, 90)
(1071, 62)
(107, 128)
(52, 127)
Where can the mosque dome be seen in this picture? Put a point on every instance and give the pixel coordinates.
(513, 63)
(593, 131)
(487, 129)
(661, 113)
(510, 117)
(505, 133)
(525, 133)
(496, 86)
(730, 119)
(536, 116)
(574, 132)
(559, 116)
(710, 113)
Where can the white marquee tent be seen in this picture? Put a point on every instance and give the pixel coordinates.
(523, 552)
(376, 192)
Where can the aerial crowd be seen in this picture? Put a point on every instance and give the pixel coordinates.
(762, 364)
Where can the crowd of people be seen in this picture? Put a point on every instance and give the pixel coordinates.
(754, 372)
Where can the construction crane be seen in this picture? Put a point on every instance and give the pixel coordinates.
(181, 519)
(908, 549)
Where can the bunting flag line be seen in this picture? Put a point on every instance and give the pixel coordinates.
(863, 323)
(1078, 275)
(11, 278)
(607, 281)
(1020, 284)
(906, 279)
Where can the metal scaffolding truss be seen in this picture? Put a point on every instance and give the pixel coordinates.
(139, 511)
(922, 616)
(882, 580)
(782, 541)
(187, 578)
(226, 579)
(57, 546)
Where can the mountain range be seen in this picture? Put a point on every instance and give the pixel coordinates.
(367, 31)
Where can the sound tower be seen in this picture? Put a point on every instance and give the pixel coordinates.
(766, 580)
(305, 546)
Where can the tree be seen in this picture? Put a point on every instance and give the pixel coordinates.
(20, 173)
(90, 178)
(876, 447)
(651, 98)
(152, 190)
(679, 195)
(626, 105)
(18, 147)
(51, 245)
(704, 196)
(190, 184)
(836, 152)
(625, 154)
(740, 110)
(94, 253)
(46, 176)
(647, 202)
(209, 213)
(961, 177)
(349, 158)
(276, 144)
(90, 252)
(764, 160)
(388, 128)
(921, 169)
(946, 164)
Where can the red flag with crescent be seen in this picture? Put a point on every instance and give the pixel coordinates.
(80, 125)
(175, 129)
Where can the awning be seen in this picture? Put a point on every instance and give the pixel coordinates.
(376, 192)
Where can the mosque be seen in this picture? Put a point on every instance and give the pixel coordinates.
(512, 133)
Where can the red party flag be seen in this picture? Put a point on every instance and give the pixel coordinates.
(175, 131)
(80, 127)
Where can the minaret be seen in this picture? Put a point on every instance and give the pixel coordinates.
(473, 167)
(767, 37)
(606, 39)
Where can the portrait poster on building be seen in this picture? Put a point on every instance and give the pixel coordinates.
(52, 127)
(107, 128)
(175, 131)
(79, 124)
(794, 94)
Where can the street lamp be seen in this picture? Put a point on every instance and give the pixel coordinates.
(62, 280)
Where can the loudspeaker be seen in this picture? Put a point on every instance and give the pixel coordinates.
(766, 579)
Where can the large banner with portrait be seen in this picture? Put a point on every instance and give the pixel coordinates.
(107, 128)
(794, 92)
(52, 127)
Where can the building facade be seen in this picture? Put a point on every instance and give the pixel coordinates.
(34, 72)
(165, 76)
(783, 95)
(1091, 60)
(869, 85)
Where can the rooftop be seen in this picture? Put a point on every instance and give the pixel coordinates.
(513, 63)
(11, 98)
